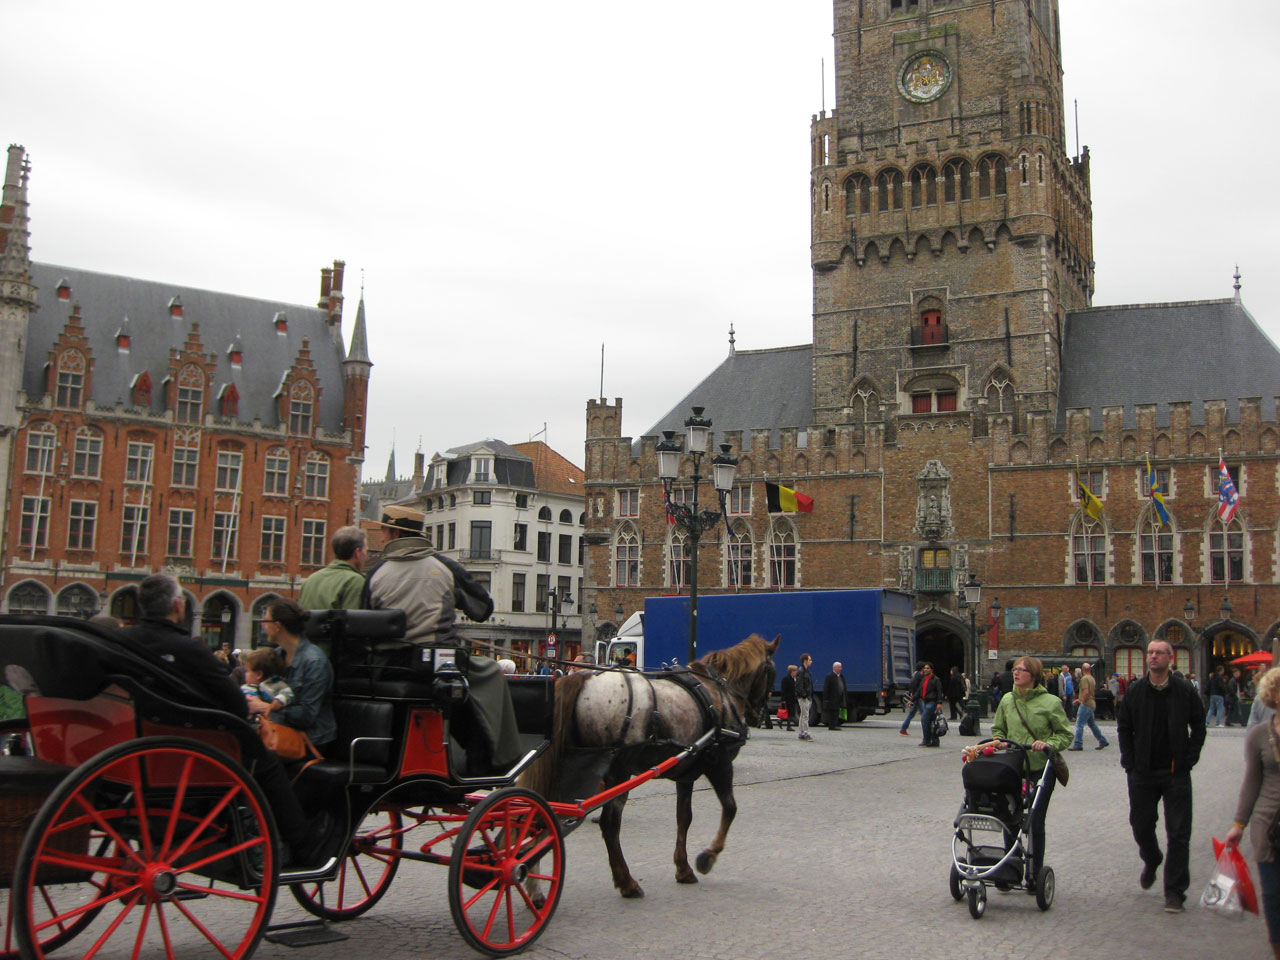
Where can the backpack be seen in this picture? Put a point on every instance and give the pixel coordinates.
(969, 725)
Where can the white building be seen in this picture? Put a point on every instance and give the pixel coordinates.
(513, 516)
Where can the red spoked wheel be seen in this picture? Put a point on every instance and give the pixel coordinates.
(186, 865)
(59, 933)
(507, 872)
(370, 864)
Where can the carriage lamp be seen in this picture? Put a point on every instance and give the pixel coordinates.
(687, 516)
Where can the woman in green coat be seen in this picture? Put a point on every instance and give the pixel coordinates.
(1032, 716)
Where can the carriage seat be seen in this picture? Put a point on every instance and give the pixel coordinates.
(363, 751)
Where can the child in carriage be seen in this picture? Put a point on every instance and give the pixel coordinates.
(262, 677)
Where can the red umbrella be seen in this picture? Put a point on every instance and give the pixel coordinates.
(1257, 659)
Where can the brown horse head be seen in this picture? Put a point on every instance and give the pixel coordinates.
(746, 669)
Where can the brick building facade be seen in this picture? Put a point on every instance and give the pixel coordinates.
(163, 427)
(957, 375)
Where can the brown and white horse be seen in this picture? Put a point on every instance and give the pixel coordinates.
(612, 725)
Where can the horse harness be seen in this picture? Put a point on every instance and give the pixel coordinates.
(695, 685)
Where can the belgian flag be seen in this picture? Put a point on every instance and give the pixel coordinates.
(785, 500)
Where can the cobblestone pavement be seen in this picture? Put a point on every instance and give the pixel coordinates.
(846, 840)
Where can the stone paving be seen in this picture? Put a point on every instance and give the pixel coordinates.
(846, 841)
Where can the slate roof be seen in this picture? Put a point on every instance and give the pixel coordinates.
(1166, 352)
(106, 300)
(751, 389)
(510, 466)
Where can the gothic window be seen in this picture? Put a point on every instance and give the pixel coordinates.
(739, 550)
(889, 190)
(924, 186)
(29, 598)
(991, 177)
(1022, 163)
(999, 395)
(70, 387)
(1157, 550)
(626, 558)
(301, 399)
(857, 191)
(77, 601)
(681, 562)
(782, 556)
(1040, 167)
(1226, 552)
(863, 404)
(190, 395)
(955, 181)
(41, 439)
(1089, 551)
(826, 198)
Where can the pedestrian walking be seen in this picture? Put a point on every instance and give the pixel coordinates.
(911, 701)
(929, 693)
(789, 697)
(834, 696)
(1086, 705)
(955, 692)
(1161, 731)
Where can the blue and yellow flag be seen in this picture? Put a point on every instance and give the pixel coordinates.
(1088, 502)
(1157, 498)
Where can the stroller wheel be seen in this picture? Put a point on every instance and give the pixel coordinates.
(977, 901)
(954, 884)
(1044, 888)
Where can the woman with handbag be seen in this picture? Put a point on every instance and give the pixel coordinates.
(307, 672)
(1259, 804)
(1035, 718)
(789, 697)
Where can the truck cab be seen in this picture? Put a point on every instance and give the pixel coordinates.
(626, 648)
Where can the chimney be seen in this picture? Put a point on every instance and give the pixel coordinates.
(419, 472)
(326, 284)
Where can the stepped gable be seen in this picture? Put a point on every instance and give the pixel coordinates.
(751, 389)
(1166, 353)
(106, 299)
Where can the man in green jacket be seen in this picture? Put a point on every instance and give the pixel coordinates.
(339, 585)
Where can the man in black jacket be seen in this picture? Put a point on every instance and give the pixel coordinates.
(804, 695)
(1160, 724)
(834, 691)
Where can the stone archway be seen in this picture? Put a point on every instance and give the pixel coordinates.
(942, 639)
(219, 618)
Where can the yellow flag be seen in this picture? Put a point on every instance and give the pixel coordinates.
(1091, 504)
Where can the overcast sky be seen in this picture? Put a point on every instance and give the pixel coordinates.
(522, 182)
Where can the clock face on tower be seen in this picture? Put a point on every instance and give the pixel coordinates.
(925, 77)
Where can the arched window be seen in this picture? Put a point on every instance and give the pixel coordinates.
(826, 198)
(1089, 551)
(70, 386)
(1129, 662)
(889, 190)
(991, 177)
(626, 558)
(1226, 552)
(29, 597)
(1157, 548)
(999, 395)
(955, 181)
(924, 186)
(932, 330)
(782, 556)
(543, 514)
(739, 551)
(680, 562)
(857, 191)
(566, 516)
(190, 405)
(301, 402)
(77, 601)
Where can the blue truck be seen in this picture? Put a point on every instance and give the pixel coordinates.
(871, 632)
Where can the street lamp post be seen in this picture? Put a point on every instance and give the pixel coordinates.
(554, 600)
(687, 516)
(971, 594)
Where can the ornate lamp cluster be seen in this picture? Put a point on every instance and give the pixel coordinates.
(687, 516)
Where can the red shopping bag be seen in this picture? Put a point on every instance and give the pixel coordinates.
(1232, 868)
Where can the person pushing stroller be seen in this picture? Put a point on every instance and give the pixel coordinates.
(1033, 717)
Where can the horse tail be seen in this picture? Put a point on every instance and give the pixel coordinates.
(540, 776)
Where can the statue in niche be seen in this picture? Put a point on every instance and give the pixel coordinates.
(933, 503)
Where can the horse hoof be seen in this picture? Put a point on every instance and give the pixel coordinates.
(686, 878)
(539, 901)
(633, 893)
(705, 862)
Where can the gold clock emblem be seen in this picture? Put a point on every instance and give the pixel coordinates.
(925, 77)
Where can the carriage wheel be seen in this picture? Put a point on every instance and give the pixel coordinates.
(977, 901)
(59, 933)
(370, 864)
(186, 865)
(510, 838)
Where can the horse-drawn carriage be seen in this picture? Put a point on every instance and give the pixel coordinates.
(135, 826)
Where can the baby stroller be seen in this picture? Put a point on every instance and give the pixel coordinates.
(993, 837)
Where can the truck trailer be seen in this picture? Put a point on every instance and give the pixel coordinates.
(871, 632)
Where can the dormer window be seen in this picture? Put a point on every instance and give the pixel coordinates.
(175, 308)
(70, 386)
(480, 470)
(230, 404)
(64, 289)
(190, 397)
(142, 390)
(281, 321)
(300, 406)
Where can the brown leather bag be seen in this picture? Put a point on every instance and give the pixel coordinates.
(1060, 769)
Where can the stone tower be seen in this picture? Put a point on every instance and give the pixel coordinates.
(951, 231)
(17, 303)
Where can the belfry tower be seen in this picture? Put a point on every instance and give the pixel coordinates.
(951, 231)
